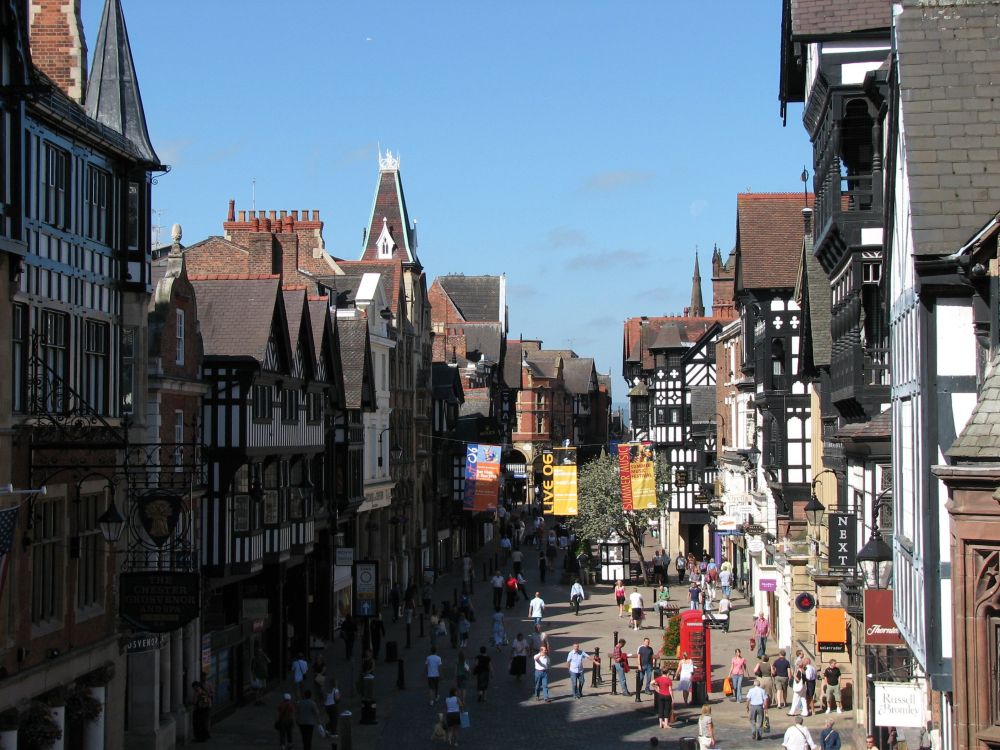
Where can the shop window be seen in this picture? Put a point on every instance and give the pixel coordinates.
(90, 565)
(47, 564)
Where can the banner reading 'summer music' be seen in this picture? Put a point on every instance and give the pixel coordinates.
(565, 481)
(625, 475)
(482, 477)
(643, 477)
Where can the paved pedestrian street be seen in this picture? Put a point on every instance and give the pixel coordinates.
(511, 716)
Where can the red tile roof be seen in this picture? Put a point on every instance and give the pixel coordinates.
(830, 18)
(769, 233)
(639, 338)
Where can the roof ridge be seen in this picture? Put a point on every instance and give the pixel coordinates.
(232, 276)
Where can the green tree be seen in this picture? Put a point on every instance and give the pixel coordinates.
(599, 505)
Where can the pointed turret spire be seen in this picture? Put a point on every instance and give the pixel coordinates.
(697, 309)
(390, 235)
(113, 90)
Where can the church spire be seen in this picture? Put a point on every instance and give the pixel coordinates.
(113, 89)
(697, 309)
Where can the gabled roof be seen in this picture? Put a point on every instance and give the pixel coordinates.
(300, 325)
(817, 19)
(605, 381)
(812, 291)
(980, 438)
(356, 359)
(579, 374)
(389, 213)
(877, 428)
(446, 383)
(485, 338)
(512, 375)
(769, 233)
(477, 298)
(113, 97)
(642, 333)
(392, 270)
(952, 125)
(237, 314)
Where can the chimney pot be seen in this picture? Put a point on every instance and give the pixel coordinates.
(267, 224)
(273, 215)
(315, 214)
(295, 214)
(807, 214)
(231, 214)
(284, 214)
(243, 215)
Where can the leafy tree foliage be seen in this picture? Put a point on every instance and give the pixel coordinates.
(599, 505)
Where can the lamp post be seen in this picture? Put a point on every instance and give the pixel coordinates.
(395, 451)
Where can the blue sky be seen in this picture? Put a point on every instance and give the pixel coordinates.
(583, 148)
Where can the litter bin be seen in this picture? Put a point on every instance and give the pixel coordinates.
(391, 651)
(689, 743)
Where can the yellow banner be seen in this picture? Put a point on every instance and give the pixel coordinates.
(643, 479)
(565, 482)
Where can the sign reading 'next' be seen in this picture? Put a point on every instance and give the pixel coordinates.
(843, 540)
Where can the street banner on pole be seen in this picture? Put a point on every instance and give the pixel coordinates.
(482, 477)
(625, 474)
(643, 477)
(565, 482)
(548, 482)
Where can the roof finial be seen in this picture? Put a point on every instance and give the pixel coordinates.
(388, 163)
(697, 309)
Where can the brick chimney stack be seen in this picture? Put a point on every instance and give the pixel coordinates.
(58, 47)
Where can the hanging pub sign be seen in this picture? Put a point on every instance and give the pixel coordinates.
(843, 540)
(159, 513)
(159, 602)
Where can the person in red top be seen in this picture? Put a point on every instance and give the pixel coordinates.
(664, 698)
(620, 597)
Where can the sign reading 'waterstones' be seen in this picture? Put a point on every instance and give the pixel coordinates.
(843, 540)
(159, 602)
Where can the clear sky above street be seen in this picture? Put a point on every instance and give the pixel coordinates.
(583, 148)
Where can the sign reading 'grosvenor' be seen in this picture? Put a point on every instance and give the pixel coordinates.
(159, 602)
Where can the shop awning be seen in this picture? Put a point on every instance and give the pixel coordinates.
(831, 625)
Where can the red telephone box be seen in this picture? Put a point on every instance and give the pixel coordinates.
(696, 642)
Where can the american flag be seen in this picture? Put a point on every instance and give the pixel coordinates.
(8, 522)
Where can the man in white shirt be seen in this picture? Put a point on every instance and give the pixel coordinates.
(725, 607)
(756, 705)
(299, 669)
(542, 663)
(797, 737)
(536, 608)
(576, 596)
(636, 604)
(575, 659)
(516, 559)
(497, 583)
(433, 664)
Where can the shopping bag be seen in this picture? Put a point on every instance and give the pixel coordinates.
(766, 724)
(463, 720)
(727, 687)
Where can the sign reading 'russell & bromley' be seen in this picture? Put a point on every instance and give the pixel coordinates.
(843, 540)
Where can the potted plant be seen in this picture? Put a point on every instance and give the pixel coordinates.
(37, 729)
(81, 706)
(670, 650)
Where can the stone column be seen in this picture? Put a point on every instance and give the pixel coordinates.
(59, 717)
(93, 732)
(165, 682)
(144, 693)
(8, 738)
(177, 670)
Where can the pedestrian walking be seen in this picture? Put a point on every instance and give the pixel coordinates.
(576, 596)
(799, 694)
(376, 630)
(756, 705)
(461, 673)
(496, 583)
(706, 728)
(726, 581)
(575, 659)
(829, 738)
(620, 597)
(536, 609)
(260, 669)
(522, 584)
(831, 688)
(432, 667)
(810, 674)
(453, 706)
(694, 595)
(285, 721)
(518, 657)
(330, 705)
(762, 628)
(542, 663)
(201, 718)
(725, 610)
(426, 595)
(307, 717)
(636, 605)
(510, 586)
(464, 626)
(517, 560)
(763, 674)
(499, 634)
(482, 670)
(797, 737)
(645, 654)
(664, 699)
(394, 600)
(780, 671)
(737, 673)
(348, 631)
(543, 566)
(300, 668)
(680, 566)
(685, 673)
(619, 662)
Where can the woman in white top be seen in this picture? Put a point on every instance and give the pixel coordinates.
(685, 671)
(453, 715)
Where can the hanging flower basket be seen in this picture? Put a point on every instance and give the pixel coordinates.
(55, 698)
(99, 677)
(37, 730)
(83, 707)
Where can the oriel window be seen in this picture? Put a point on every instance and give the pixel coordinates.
(56, 187)
(95, 365)
(97, 202)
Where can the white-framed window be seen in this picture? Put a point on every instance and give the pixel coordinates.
(95, 365)
(178, 440)
(47, 563)
(262, 402)
(179, 353)
(90, 564)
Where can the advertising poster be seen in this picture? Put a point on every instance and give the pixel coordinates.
(643, 477)
(625, 475)
(565, 482)
(482, 477)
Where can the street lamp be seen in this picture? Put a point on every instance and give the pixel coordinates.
(395, 451)
(875, 560)
(111, 523)
(814, 508)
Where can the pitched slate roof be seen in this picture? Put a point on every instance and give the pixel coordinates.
(877, 428)
(815, 298)
(484, 338)
(642, 333)
(446, 383)
(319, 316)
(353, 346)
(294, 299)
(577, 374)
(605, 381)
(769, 235)
(816, 19)
(980, 439)
(389, 210)
(476, 297)
(113, 97)
(235, 314)
(390, 268)
(703, 403)
(952, 124)
(512, 364)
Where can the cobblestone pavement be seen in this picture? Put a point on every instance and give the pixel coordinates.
(511, 716)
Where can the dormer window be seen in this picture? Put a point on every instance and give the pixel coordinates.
(385, 243)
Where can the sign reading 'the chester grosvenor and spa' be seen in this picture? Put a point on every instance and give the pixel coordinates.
(159, 602)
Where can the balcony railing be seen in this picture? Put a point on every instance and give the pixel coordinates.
(852, 596)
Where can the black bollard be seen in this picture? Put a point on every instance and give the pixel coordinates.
(400, 678)
(614, 672)
(638, 684)
(595, 673)
(344, 741)
(661, 616)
